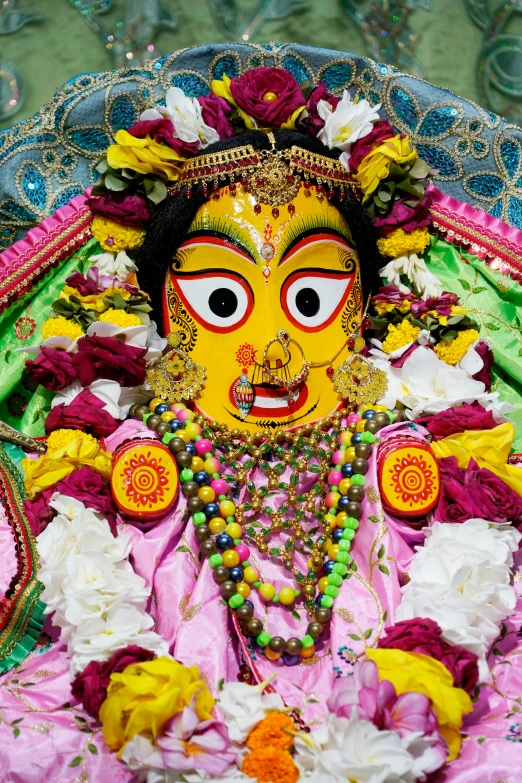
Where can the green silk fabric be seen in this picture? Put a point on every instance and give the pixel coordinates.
(492, 299)
(21, 404)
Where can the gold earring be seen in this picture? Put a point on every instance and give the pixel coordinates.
(359, 381)
(175, 376)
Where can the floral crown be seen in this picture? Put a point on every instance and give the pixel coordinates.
(165, 152)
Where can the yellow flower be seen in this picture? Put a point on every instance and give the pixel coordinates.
(418, 673)
(61, 327)
(271, 765)
(67, 450)
(489, 448)
(400, 335)
(452, 352)
(94, 301)
(458, 310)
(142, 698)
(145, 156)
(120, 318)
(114, 237)
(399, 243)
(386, 307)
(376, 165)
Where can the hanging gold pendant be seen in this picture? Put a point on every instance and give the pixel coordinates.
(359, 381)
(174, 376)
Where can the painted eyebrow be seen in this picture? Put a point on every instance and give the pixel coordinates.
(319, 230)
(217, 227)
(222, 240)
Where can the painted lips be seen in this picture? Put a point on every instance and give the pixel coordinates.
(272, 402)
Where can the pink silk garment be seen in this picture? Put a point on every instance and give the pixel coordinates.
(45, 735)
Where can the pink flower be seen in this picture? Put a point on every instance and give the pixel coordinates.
(456, 420)
(381, 130)
(442, 304)
(405, 215)
(422, 635)
(86, 285)
(162, 131)
(492, 498)
(215, 111)
(52, 368)
(189, 744)
(484, 375)
(90, 686)
(378, 702)
(250, 92)
(127, 209)
(313, 123)
(108, 357)
(390, 294)
(38, 511)
(85, 413)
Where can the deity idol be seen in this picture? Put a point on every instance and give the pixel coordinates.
(274, 514)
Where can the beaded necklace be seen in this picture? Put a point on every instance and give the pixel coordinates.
(225, 506)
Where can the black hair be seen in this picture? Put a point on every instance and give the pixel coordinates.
(170, 223)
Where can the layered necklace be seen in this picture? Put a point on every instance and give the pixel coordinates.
(231, 515)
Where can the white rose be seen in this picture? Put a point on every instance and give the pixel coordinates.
(348, 122)
(185, 115)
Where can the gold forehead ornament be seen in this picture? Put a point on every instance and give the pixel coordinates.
(272, 176)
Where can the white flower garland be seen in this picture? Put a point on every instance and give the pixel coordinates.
(460, 579)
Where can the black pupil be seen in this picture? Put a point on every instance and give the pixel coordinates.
(223, 302)
(307, 302)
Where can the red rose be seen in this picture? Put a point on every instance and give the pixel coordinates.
(85, 413)
(268, 95)
(53, 369)
(126, 209)
(38, 511)
(313, 123)
(493, 499)
(360, 148)
(456, 420)
(405, 215)
(90, 686)
(163, 131)
(484, 375)
(86, 285)
(108, 357)
(215, 111)
(422, 635)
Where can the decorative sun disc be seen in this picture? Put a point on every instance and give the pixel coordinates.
(409, 479)
(144, 480)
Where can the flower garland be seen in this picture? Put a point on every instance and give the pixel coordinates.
(402, 713)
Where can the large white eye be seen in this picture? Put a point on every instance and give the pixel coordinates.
(312, 300)
(219, 301)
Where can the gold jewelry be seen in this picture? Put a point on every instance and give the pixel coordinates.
(174, 375)
(273, 176)
(359, 381)
(8, 434)
(285, 340)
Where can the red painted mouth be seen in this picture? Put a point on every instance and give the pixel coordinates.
(273, 402)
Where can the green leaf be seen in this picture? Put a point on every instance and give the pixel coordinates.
(221, 683)
(158, 192)
(368, 633)
(384, 569)
(93, 749)
(373, 519)
(75, 762)
(381, 552)
(354, 637)
(385, 616)
(79, 719)
(480, 740)
(491, 325)
(465, 285)
(113, 183)
(479, 289)
(182, 549)
(295, 615)
(19, 720)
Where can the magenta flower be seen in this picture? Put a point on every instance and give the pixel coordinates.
(268, 95)
(163, 132)
(390, 294)
(405, 215)
(215, 111)
(362, 147)
(189, 744)
(441, 304)
(129, 209)
(314, 123)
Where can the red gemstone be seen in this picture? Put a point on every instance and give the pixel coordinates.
(307, 184)
(205, 192)
(257, 208)
(331, 194)
(289, 177)
(215, 169)
(260, 181)
(351, 343)
(320, 189)
(329, 371)
(291, 209)
(275, 212)
(366, 323)
(188, 193)
(222, 167)
(255, 160)
(244, 182)
(175, 192)
(232, 189)
(342, 196)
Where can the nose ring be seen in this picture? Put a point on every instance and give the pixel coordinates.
(284, 339)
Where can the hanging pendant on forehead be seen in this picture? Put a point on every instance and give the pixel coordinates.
(243, 394)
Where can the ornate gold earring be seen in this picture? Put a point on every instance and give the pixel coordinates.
(175, 376)
(358, 380)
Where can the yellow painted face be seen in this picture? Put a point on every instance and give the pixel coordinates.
(247, 272)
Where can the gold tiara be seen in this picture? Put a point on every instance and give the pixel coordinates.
(272, 176)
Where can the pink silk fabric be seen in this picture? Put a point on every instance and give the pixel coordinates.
(43, 729)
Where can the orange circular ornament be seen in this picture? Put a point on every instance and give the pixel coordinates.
(409, 478)
(144, 479)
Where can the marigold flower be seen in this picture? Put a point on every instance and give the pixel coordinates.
(400, 335)
(376, 165)
(114, 237)
(274, 731)
(142, 698)
(401, 243)
(120, 318)
(61, 327)
(271, 765)
(452, 352)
